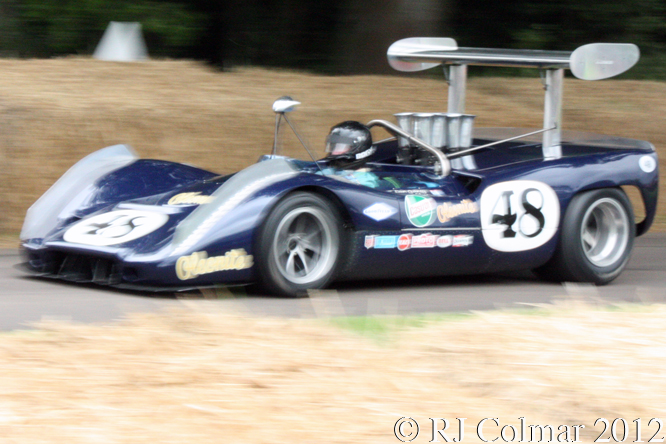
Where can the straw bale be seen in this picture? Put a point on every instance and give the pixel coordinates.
(53, 112)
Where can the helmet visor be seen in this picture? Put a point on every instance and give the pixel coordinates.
(337, 148)
(337, 144)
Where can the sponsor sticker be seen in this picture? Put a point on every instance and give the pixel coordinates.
(647, 164)
(418, 192)
(404, 242)
(381, 241)
(367, 153)
(380, 211)
(198, 263)
(447, 211)
(408, 241)
(386, 242)
(421, 211)
(463, 240)
(424, 241)
(445, 241)
(190, 199)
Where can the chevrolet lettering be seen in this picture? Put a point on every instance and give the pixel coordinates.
(196, 264)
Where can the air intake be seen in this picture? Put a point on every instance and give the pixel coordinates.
(449, 132)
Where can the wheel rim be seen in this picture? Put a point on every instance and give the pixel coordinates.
(303, 247)
(605, 232)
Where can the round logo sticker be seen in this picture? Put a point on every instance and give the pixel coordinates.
(647, 164)
(115, 227)
(421, 211)
(445, 241)
(404, 242)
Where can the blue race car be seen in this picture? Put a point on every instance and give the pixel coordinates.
(437, 197)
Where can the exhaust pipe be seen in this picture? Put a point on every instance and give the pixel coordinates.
(448, 132)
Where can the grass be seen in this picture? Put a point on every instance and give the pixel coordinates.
(382, 328)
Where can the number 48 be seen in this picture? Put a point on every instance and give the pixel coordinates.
(530, 222)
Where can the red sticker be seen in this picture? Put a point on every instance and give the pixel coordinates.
(404, 242)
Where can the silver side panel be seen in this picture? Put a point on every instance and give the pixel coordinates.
(69, 192)
(232, 193)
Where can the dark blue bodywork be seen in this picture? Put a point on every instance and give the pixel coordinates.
(211, 216)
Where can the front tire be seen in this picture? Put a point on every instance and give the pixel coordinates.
(596, 239)
(300, 245)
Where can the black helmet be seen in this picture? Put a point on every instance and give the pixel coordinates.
(349, 144)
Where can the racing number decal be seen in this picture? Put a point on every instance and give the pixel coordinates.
(535, 219)
(115, 227)
(531, 211)
(519, 215)
(505, 217)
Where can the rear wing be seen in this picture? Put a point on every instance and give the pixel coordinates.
(589, 62)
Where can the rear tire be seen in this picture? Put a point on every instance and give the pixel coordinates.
(300, 245)
(596, 239)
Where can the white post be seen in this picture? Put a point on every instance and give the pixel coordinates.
(457, 91)
(552, 114)
(457, 88)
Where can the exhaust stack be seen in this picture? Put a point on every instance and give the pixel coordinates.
(448, 132)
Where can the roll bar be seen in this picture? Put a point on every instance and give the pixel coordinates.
(443, 165)
(442, 168)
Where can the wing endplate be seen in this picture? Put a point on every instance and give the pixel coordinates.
(603, 60)
(401, 54)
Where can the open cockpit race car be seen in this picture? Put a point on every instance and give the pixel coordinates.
(438, 197)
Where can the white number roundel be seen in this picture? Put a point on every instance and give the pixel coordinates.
(519, 215)
(115, 227)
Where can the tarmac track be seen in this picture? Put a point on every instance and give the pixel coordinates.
(25, 300)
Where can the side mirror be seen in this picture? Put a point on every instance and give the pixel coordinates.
(285, 104)
(282, 106)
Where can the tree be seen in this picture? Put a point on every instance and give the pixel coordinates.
(75, 26)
